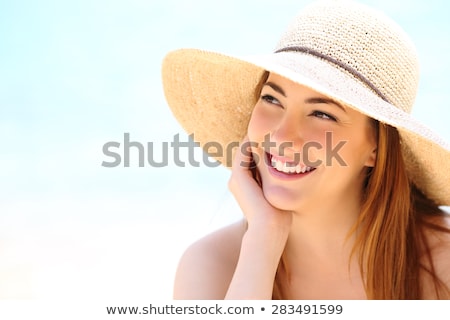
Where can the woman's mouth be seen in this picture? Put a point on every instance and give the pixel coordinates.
(283, 168)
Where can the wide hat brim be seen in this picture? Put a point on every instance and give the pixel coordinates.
(212, 95)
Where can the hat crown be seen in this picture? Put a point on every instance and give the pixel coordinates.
(362, 41)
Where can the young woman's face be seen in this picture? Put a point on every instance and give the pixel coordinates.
(308, 148)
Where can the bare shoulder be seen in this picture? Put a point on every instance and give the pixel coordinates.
(439, 243)
(207, 266)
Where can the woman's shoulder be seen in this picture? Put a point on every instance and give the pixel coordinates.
(207, 266)
(438, 239)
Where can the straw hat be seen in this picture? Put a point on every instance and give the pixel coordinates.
(345, 50)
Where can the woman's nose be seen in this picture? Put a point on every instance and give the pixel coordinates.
(287, 135)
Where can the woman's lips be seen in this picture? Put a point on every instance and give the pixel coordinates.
(282, 168)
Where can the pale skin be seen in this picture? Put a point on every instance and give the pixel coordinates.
(306, 216)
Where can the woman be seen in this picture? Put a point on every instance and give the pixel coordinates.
(339, 185)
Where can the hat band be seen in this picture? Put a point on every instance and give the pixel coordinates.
(347, 68)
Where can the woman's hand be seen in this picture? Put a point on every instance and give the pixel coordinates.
(266, 235)
(246, 186)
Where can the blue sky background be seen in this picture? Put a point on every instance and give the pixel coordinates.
(75, 75)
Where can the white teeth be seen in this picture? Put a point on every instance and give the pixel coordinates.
(279, 165)
(274, 163)
(284, 167)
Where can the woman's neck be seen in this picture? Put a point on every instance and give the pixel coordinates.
(324, 231)
(318, 255)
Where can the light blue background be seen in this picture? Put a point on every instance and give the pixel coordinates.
(77, 74)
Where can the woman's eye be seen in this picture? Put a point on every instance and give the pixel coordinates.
(323, 115)
(270, 99)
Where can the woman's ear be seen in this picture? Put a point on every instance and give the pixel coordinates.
(374, 131)
(370, 162)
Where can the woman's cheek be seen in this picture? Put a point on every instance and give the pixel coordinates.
(314, 148)
(259, 125)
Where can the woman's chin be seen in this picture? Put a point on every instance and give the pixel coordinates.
(282, 199)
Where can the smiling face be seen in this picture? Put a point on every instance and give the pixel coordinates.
(308, 148)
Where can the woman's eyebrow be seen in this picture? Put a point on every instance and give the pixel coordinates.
(326, 101)
(275, 87)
